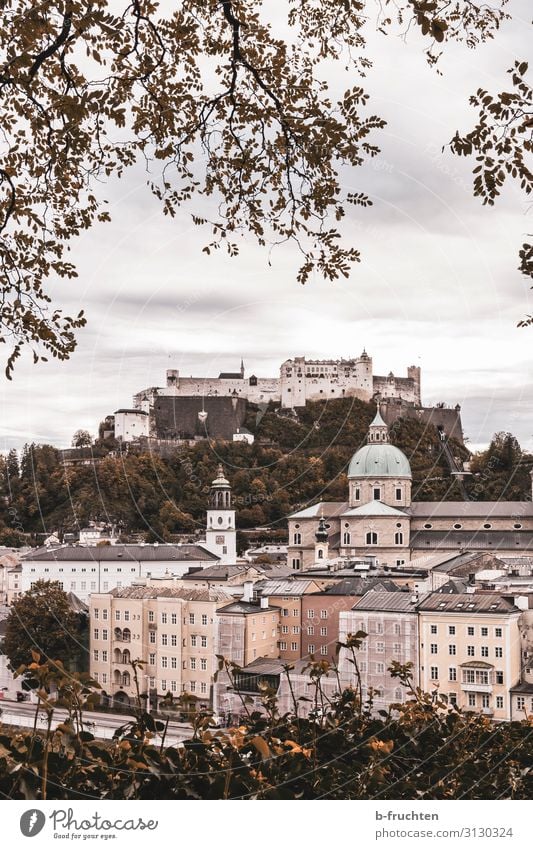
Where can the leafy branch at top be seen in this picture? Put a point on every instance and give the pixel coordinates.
(213, 102)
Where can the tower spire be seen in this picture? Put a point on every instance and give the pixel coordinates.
(378, 432)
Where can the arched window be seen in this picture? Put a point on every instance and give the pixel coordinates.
(118, 633)
(297, 539)
(371, 538)
(118, 656)
(126, 635)
(346, 538)
(125, 679)
(398, 538)
(117, 677)
(320, 554)
(125, 656)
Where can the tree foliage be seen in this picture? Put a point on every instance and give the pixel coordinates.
(42, 620)
(82, 439)
(216, 98)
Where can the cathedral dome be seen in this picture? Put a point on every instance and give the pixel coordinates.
(379, 461)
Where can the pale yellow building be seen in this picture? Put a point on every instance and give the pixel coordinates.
(470, 649)
(171, 630)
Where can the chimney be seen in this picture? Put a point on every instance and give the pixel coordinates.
(264, 602)
(248, 589)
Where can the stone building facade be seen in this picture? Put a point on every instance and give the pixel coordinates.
(380, 518)
(171, 630)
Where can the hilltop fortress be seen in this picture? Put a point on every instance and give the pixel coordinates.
(198, 407)
(300, 380)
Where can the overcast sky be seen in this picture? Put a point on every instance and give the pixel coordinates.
(437, 285)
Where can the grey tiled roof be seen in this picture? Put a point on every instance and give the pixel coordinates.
(360, 586)
(211, 594)
(95, 553)
(467, 603)
(328, 508)
(284, 588)
(401, 602)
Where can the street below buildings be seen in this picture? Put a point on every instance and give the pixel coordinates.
(102, 725)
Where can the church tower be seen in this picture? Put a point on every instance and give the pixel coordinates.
(221, 534)
(322, 542)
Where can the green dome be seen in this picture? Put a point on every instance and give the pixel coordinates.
(379, 461)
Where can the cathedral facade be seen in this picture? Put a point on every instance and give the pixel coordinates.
(380, 518)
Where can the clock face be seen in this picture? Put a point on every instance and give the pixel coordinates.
(219, 540)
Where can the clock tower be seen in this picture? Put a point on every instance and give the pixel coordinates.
(221, 534)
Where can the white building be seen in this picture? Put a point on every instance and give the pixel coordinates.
(87, 569)
(131, 424)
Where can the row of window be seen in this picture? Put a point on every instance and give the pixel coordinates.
(470, 676)
(283, 646)
(470, 630)
(311, 649)
(379, 647)
(371, 538)
(376, 493)
(73, 569)
(173, 618)
(470, 650)
(487, 526)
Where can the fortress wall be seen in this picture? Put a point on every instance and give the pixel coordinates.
(176, 417)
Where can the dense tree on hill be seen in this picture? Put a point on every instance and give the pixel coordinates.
(218, 102)
(161, 497)
(502, 471)
(43, 620)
